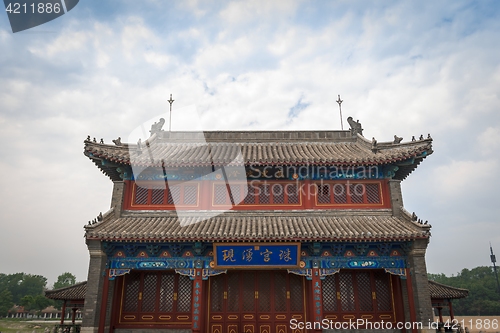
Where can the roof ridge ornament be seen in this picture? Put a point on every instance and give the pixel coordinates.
(355, 127)
(397, 139)
(156, 127)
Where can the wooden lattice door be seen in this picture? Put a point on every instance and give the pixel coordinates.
(255, 302)
(155, 298)
(354, 294)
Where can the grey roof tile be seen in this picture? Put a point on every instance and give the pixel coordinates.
(258, 226)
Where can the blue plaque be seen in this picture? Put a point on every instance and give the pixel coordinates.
(256, 255)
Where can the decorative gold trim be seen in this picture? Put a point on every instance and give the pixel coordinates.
(280, 317)
(232, 317)
(248, 317)
(217, 317)
(331, 317)
(216, 328)
(264, 317)
(348, 317)
(129, 317)
(280, 329)
(182, 317)
(163, 317)
(385, 317)
(246, 328)
(265, 329)
(297, 316)
(147, 317)
(366, 317)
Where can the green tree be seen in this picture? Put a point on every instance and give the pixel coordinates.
(5, 302)
(483, 296)
(65, 280)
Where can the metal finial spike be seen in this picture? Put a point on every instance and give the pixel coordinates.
(339, 101)
(170, 122)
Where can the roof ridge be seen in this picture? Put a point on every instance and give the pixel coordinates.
(78, 284)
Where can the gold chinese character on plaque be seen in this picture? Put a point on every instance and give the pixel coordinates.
(247, 255)
(285, 255)
(267, 255)
(228, 255)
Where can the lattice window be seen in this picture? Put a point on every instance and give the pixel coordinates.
(184, 291)
(340, 193)
(383, 291)
(167, 293)
(278, 192)
(292, 192)
(264, 292)
(329, 294)
(248, 291)
(141, 195)
(157, 195)
(235, 193)
(174, 195)
(347, 300)
(356, 192)
(323, 193)
(264, 192)
(372, 193)
(149, 292)
(233, 293)
(132, 282)
(296, 293)
(220, 194)
(280, 291)
(190, 195)
(250, 198)
(364, 291)
(216, 292)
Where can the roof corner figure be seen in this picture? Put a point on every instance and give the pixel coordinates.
(355, 126)
(156, 127)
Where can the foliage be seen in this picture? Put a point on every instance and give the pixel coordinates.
(65, 280)
(22, 284)
(38, 302)
(5, 302)
(483, 299)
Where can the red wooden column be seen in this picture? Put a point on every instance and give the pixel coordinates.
(63, 312)
(196, 300)
(451, 310)
(104, 302)
(440, 313)
(317, 297)
(411, 300)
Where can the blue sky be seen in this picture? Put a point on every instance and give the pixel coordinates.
(405, 68)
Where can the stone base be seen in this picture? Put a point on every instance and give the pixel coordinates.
(363, 331)
(161, 330)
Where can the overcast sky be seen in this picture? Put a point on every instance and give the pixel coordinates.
(405, 68)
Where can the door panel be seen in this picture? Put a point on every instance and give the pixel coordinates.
(354, 294)
(255, 302)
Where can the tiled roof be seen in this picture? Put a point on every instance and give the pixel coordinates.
(258, 148)
(74, 292)
(442, 291)
(258, 226)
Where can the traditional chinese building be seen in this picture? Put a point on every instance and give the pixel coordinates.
(227, 232)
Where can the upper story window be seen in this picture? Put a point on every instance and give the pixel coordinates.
(348, 193)
(258, 195)
(166, 194)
